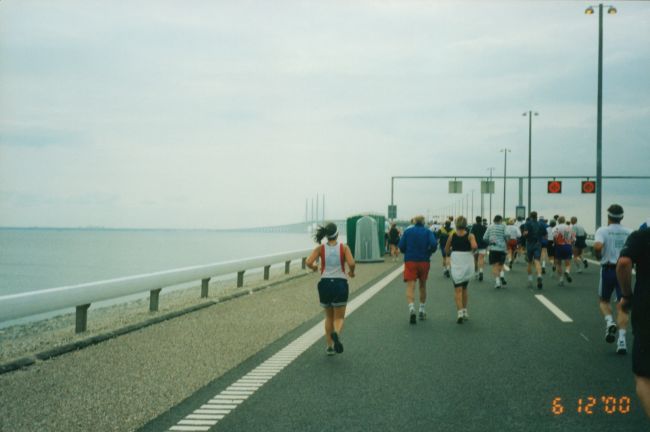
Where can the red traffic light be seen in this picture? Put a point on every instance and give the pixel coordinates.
(554, 187)
(588, 186)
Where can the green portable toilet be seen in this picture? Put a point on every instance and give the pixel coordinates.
(351, 225)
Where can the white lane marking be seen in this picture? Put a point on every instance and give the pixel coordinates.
(556, 310)
(189, 428)
(211, 412)
(198, 422)
(219, 406)
(584, 337)
(205, 416)
(269, 368)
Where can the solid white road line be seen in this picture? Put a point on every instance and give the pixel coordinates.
(556, 310)
(239, 390)
(190, 428)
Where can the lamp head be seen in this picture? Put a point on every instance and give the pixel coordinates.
(589, 10)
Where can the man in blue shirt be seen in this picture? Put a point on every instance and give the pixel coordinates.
(417, 244)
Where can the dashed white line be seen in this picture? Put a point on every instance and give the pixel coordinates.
(229, 399)
(556, 310)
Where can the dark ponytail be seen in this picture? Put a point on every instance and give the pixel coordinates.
(328, 230)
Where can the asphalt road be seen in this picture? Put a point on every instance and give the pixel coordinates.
(499, 371)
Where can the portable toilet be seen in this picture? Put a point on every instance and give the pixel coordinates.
(367, 241)
(351, 225)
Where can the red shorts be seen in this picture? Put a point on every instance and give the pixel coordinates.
(414, 270)
(512, 244)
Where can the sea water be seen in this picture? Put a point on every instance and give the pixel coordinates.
(34, 259)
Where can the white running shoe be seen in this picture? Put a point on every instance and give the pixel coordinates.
(621, 347)
(465, 315)
(459, 320)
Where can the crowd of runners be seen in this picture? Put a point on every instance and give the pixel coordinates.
(557, 243)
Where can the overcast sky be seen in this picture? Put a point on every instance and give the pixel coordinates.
(219, 114)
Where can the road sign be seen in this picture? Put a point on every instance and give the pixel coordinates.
(520, 212)
(487, 187)
(392, 211)
(455, 186)
(554, 187)
(588, 186)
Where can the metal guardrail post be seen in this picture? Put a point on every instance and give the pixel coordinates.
(286, 267)
(204, 287)
(154, 296)
(240, 278)
(304, 263)
(81, 321)
(267, 271)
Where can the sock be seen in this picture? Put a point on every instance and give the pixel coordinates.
(480, 271)
(566, 271)
(421, 307)
(497, 281)
(502, 274)
(609, 320)
(544, 264)
(411, 307)
(530, 277)
(621, 334)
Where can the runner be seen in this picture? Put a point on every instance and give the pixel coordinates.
(512, 240)
(533, 231)
(544, 242)
(393, 241)
(521, 241)
(495, 236)
(417, 244)
(550, 243)
(563, 238)
(460, 247)
(580, 244)
(333, 288)
(636, 251)
(478, 230)
(445, 232)
(608, 242)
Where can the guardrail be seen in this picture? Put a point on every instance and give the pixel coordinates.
(83, 295)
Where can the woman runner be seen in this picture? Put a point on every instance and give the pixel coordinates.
(393, 241)
(460, 248)
(333, 288)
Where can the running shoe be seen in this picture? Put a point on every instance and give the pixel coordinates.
(480, 277)
(543, 270)
(446, 273)
(586, 263)
(459, 320)
(621, 347)
(330, 351)
(610, 333)
(422, 315)
(561, 282)
(540, 284)
(413, 319)
(503, 281)
(338, 346)
(465, 315)
(568, 277)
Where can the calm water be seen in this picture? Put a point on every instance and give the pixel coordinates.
(33, 259)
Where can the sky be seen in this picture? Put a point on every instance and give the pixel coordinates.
(219, 114)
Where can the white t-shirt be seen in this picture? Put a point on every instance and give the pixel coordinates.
(578, 230)
(512, 232)
(563, 234)
(612, 237)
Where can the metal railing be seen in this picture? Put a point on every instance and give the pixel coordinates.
(81, 296)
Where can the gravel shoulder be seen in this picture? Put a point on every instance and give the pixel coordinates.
(120, 384)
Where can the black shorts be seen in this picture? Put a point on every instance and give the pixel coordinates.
(333, 292)
(641, 355)
(581, 242)
(550, 249)
(497, 257)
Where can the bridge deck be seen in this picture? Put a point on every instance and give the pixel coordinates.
(499, 371)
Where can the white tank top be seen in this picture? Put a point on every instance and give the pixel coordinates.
(332, 266)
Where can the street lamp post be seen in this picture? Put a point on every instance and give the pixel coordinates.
(489, 191)
(505, 166)
(599, 124)
(530, 115)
